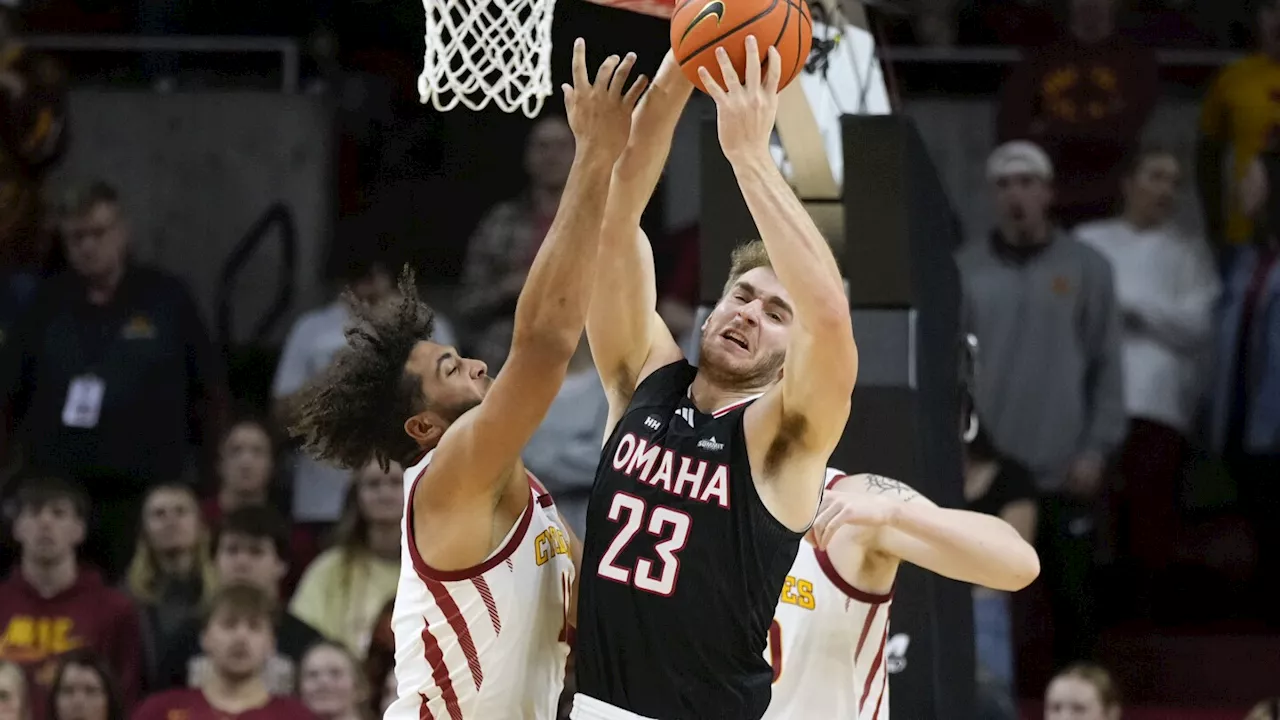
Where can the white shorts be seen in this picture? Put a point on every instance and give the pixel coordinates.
(589, 708)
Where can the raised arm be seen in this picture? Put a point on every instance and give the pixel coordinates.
(483, 445)
(803, 417)
(870, 523)
(628, 339)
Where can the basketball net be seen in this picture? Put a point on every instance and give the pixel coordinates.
(482, 51)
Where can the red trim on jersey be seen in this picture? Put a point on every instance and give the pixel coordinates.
(875, 668)
(832, 482)
(866, 630)
(843, 586)
(734, 406)
(482, 587)
(440, 673)
(884, 687)
(426, 572)
(453, 615)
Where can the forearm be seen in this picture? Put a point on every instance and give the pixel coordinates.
(966, 546)
(799, 254)
(553, 305)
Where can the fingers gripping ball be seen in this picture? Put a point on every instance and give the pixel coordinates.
(699, 26)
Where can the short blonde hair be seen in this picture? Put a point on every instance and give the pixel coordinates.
(1099, 678)
(746, 257)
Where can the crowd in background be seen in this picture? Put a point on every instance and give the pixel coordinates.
(164, 543)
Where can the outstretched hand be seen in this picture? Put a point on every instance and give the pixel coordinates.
(599, 112)
(745, 107)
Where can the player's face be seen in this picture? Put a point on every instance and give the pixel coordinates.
(245, 463)
(238, 646)
(1151, 190)
(81, 694)
(170, 521)
(1023, 200)
(49, 533)
(1072, 698)
(328, 683)
(453, 384)
(744, 340)
(381, 495)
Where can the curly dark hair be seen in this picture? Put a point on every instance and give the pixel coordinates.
(355, 411)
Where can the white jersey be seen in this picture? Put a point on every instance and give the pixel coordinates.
(827, 644)
(490, 642)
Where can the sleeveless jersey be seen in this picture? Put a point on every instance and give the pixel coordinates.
(489, 642)
(682, 564)
(827, 644)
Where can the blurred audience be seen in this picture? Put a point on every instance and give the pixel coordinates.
(33, 123)
(1244, 412)
(565, 449)
(996, 485)
(1166, 287)
(85, 689)
(380, 663)
(238, 639)
(1237, 122)
(172, 575)
(50, 605)
(1082, 692)
(1268, 709)
(343, 591)
(15, 697)
(1085, 99)
(332, 686)
(1043, 309)
(117, 381)
(251, 548)
(502, 248)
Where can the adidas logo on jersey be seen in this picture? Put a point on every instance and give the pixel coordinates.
(711, 445)
(652, 423)
(687, 414)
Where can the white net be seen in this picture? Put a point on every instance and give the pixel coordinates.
(482, 51)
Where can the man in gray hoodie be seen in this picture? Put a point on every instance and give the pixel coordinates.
(1043, 309)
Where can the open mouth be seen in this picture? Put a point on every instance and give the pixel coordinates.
(735, 338)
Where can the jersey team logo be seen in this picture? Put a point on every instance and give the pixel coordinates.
(710, 444)
(652, 423)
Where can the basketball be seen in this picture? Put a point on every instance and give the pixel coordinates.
(698, 27)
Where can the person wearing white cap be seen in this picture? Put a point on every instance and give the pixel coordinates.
(1043, 308)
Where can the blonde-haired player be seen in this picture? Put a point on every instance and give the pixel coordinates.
(827, 641)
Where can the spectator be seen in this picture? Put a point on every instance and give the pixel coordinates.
(250, 548)
(996, 485)
(380, 663)
(1043, 310)
(50, 606)
(344, 589)
(1082, 692)
(15, 699)
(332, 687)
(238, 638)
(116, 378)
(1266, 710)
(1239, 115)
(1244, 412)
(502, 248)
(172, 575)
(84, 689)
(1085, 99)
(565, 449)
(247, 476)
(318, 489)
(33, 102)
(1166, 287)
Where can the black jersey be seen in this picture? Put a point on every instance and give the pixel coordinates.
(682, 564)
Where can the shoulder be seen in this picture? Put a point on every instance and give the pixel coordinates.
(1240, 69)
(1095, 232)
(1090, 258)
(316, 317)
(165, 700)
(319, 569)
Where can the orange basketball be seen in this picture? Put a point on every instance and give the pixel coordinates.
(698, 27)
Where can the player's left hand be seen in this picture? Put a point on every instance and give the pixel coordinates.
(746, 108)
(864, 512)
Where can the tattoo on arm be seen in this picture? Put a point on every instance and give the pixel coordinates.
(885, 486)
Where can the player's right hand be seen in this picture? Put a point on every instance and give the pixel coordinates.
(599, 112)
